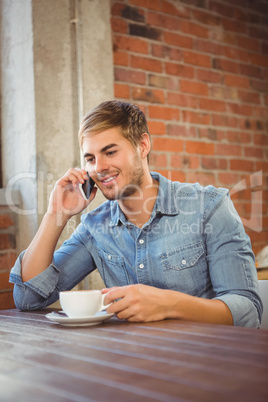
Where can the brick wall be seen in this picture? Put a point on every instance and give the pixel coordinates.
(7, 255)
(199, 69)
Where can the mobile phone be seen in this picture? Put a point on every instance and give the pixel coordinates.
(87, 187)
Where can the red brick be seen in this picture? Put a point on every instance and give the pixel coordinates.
(176, 130)
(223, 92)
(258, 59)
(121, 91)
(7, 241)
(4, 281)
(194, 87)
(135, 77)
(237, 81)
(180, 11)
(194, 29)
(260, 112)
(160, 51)
(166, 52)
(117, 9)
(156, 127)
(212, 48)
(5, 221)
(228, 178)
(146, 64)
(234, 26)
(226, 65)
(175, 98)
(148, 95)
(191, 162)
(261, 139)
(225, 120)
(176, 161)
(6, 301)
(248, 124)
(253, 152)
(130, 44)
(236, 108)
(197, 59)
(208, 76)
(151, 5)
(250, 97)
(212, 104)
(236, 54)
(261, 165)
(163, 82)
(198, 147)
(209, 163)
(204, 179)
(163, 20)
(118, 25)
(7, 261)
(121, 58)
(251, 71)
(167, 144)
(178, 40)
(238, 136)
(158, 160)
(248, 43)
(196, 118)
(206, 18)
(221, 9)
(242, 165)
(211, 134)
(164, 113)
(175, 175)
(228, 150)
(180, 70)
(259, 85)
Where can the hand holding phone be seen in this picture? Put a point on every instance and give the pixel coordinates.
(86, 187)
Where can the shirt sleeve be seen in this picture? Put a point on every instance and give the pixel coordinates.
(71, 263)
(231, 262)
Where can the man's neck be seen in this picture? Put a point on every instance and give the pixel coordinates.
(138, 208)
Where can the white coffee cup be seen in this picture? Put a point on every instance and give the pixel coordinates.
(82, 303)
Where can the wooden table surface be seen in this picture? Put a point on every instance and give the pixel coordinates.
(119, 361)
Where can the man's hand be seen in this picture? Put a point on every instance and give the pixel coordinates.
(137, 303)
(66, 199)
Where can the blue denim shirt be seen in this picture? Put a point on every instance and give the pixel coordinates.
(194, 242)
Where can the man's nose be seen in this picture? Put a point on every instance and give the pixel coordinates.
(100, 165)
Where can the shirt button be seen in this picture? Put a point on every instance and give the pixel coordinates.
(141, 241)
(141, 266)
(109, 257)
(183, 262)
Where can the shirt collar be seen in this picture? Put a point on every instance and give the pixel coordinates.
(165, 203)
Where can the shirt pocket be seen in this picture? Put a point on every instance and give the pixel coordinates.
(185, 269)
(112, 269)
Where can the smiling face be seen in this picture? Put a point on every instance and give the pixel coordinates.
(114, 164)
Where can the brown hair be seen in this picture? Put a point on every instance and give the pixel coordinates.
(109, 114)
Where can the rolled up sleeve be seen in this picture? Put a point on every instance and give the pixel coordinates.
(36, 293)
(70, 264)
(232, 263)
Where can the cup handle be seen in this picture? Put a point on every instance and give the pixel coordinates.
(103, 306)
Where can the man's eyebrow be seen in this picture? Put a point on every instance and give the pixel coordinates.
(104, 149)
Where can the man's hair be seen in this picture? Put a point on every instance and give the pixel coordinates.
(109, 114)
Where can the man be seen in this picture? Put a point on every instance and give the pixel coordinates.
(164, 249)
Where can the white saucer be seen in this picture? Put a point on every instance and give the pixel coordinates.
(61, 318)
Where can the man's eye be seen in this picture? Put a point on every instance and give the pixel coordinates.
(110, 153)
(90, 160)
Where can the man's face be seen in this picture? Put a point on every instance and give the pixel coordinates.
(113, 163)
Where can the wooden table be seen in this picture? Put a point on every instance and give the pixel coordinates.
(119, 361)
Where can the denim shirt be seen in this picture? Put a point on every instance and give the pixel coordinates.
(194, 242)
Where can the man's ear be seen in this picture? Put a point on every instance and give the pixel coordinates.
(145, 145)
